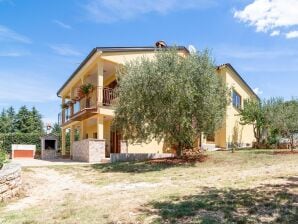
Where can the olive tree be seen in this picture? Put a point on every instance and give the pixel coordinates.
(254, 113)
(170, 97)
(284, 119)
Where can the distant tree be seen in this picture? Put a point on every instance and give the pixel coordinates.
(36, 124)
(171, 98)
(253, 113)
(11, 115)
(286, 120)
(23, 120)
(3, 122)
(56, 130)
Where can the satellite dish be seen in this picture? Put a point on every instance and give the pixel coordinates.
(192, 49)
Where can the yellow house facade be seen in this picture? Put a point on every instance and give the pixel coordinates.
(87, 115)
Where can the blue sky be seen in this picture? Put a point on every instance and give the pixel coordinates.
(42, 42)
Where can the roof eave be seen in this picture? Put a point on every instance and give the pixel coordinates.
(114, 50)
(239, 76)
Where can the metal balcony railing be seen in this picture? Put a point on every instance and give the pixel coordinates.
(106, 97)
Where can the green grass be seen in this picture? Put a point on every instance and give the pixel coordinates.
(248, 186)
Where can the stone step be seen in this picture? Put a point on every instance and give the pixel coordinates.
(105, 160)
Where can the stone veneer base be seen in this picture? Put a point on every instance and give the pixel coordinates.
(89, 150)
(10, 181)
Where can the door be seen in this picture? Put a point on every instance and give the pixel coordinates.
(115, 142)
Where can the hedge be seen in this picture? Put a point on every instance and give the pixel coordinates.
(6, 140)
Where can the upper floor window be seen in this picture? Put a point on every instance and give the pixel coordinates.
(236, 99)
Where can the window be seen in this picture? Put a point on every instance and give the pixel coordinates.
(236, 99)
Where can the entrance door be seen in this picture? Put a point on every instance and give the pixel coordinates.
(115, 142)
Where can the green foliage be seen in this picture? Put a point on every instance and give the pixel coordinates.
(19, 138)
(3, 158)
(25, 121)
(7, 121)
(56, 130)
(170, 97)
(86, 88)
(24, 127)
(253, 113)
(284, 119)
(275, 116)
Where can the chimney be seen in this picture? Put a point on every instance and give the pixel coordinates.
(161, 44)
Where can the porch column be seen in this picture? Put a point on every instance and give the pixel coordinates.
(71, 97)
(63, 142)
(63, 111)
(100, 83)
(100, 127)
(72, 136)
(82, 130)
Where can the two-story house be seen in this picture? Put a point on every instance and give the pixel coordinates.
(88, 109)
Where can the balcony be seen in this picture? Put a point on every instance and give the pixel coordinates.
(87, 106)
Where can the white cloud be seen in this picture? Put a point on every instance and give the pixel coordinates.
(61, 24)
(275, 33)
(292, 34)
(7, 34)
(258, 91)
(107, 11)
(268, 15)
(64, 50)
(14, 53)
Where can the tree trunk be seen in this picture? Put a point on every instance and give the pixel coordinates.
(179, 149)
(292, 143)
(257, 135)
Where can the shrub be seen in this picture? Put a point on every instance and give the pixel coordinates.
(3, 158)
(19, 138)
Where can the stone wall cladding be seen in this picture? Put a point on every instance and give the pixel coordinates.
(97, 150)
(10, 181)
(88, 150)
(47, 154)
(80, 150)
(125, 157)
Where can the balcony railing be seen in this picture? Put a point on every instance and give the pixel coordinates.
(106, 97)
(109, 96)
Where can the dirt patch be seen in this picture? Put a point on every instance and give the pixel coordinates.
(47, 185)
(179, 161)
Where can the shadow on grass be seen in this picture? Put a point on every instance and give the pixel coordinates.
(266, 204)
(136, 167)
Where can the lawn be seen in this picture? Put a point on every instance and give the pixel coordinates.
(243, 187)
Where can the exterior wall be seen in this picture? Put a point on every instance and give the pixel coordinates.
(152, 147)
(89, 150)
(124, 157)
(90, 130)
(10, 181)
(48, 154)
(220, 137)
(123, 57)
(245, 132)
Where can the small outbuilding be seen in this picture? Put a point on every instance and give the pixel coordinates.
(49, 146)
(22, 151)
